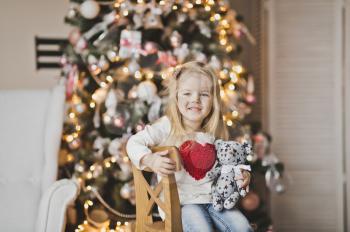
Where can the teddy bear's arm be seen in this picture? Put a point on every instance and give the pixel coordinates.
(214, 173)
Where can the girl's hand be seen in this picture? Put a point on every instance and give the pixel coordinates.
(159, 164)
(245, 177)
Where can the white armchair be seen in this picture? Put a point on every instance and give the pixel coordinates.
(31, 124)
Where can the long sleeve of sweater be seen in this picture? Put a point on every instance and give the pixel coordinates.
(152, 135)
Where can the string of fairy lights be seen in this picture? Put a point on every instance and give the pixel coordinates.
(230, 79)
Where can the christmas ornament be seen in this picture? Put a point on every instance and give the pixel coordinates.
(115, 147)
(250, 98)
(132, 94)
(125, 191)
(175, 39)
(79, 167)
(98, 96)
(89, 9)
(154, 110)
(103, 63)
(166, 58)
(101, 27)
(146, 91)
(130, 43)
(98, 220)
(81, 45)
(111, 102)
(133, 66)
(99, 145)
(152, 18)
(91, 59)
(149, 48)
(200, 56)
(273, 177)
(215, 63)
(204, 28)
(74, 144)
(112, 55)
(138, 22)
(119, 123)
(72, 12)
(181, 52)
(74, 36)
(181, 18)
(251, 201)
(72, 80)
(125, 172)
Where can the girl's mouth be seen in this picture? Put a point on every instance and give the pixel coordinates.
(194, 108)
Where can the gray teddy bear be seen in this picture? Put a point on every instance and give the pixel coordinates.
(231, 156)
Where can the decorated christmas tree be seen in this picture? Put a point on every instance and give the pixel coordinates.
(120, 55)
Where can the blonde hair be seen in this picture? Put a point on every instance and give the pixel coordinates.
(213, 123)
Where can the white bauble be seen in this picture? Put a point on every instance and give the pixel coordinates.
(133, 66)
(125, 191)
(89, 9)
(115, 147)
(146, 91)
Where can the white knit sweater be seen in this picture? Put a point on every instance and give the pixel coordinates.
(191, 191)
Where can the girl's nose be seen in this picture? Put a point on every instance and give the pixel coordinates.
(195, 97)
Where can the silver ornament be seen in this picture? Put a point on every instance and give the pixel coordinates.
(89, 9)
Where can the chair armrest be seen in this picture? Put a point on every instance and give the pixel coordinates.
(53, 205)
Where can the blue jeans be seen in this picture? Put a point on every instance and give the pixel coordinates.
(204, 218)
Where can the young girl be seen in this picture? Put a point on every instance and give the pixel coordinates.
(193, 116)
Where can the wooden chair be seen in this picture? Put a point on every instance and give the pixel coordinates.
(147, 197)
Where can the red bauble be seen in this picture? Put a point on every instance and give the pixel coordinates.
(251, 201)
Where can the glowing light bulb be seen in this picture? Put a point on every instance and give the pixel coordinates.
(231, 87)
(89, 175)
(126, 70)
(103, 84)
(234, 113)
(217, 16)
(109, 78)
(69, 138)
(92, 105)
(138, 75)
(207, 8)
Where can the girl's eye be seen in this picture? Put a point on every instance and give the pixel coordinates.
(204, 94)
(187, 94)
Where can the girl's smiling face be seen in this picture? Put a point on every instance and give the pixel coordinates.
(194, 99)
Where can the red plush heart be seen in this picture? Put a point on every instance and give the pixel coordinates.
(197, 159)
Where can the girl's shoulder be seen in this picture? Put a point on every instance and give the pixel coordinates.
(161, 125)
(162, 121)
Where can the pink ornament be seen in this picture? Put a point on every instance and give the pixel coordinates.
(72, 80)
(167, 59)
(74, 36)
(149, 48)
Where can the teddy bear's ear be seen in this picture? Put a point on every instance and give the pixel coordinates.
(247, 148)
(218, 142)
